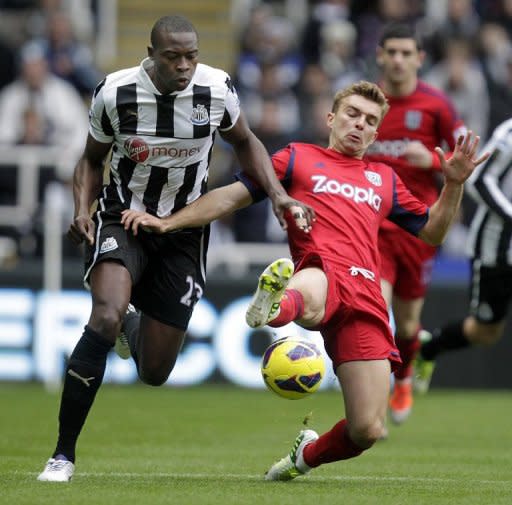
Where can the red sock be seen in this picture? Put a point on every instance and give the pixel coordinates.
(291, 308)
(408, 349)
(334, 445)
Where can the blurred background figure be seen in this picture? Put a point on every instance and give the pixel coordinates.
(461, 22)
(49, 104)
(68, 57)
(40, 109)
(460, 76)
(323, 12)
(338, 54)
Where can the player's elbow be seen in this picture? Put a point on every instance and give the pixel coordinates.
(432, 237)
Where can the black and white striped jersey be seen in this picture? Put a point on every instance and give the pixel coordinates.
(161, 143)
(490, 236)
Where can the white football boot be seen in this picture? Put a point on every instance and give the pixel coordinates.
(272, 283)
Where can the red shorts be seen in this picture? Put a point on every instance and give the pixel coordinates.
(406, 262)
(356, 322)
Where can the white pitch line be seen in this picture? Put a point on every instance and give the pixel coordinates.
(256, 477)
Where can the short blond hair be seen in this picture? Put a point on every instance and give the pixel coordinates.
(366, 89)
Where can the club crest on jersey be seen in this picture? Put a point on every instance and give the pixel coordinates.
(413, 119)
(137, 149)
(199, 115)
(373, 177)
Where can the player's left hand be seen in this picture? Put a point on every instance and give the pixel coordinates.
(418, 155)
(463, 161)
(136, 219)
(302, 214)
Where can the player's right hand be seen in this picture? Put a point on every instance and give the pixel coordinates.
(82, 228)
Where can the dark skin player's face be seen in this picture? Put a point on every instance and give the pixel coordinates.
(175, 59)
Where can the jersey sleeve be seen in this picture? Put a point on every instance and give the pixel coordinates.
(100, 126)
(282, 161)
(232, 106)
(407, 211)
(485, 183)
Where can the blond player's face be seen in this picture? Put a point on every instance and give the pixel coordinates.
(354, 125)
(399, 60)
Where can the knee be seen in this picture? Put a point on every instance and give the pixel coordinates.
(106, 320)
(153, 378)
(406, 329)
(154, 375)
(367, 433)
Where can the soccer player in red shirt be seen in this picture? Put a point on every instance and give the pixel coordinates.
(420, 118)
(333, 283)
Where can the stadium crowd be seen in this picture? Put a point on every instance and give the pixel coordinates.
(290, 61)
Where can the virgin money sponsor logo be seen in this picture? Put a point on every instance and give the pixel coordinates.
(355, 193)
(137, 149)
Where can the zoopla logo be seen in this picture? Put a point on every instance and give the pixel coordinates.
(355, 193)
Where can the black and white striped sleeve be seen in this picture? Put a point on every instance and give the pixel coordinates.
(232, 106)
(489, 181)
(100, 126)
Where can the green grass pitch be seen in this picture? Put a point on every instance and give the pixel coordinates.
(212, 444)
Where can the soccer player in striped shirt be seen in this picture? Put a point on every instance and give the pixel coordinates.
(333, 283)
(490, 248)
(159, 120)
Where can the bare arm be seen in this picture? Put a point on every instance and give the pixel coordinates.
(216, 203)
(87, 182)
(256, 163)
(456, 170)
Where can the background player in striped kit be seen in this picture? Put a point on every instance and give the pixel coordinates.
(420, 118)
(490, 249)
(160, 120)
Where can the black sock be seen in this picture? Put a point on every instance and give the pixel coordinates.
(131, 323)
(448, 338)
(84, 375)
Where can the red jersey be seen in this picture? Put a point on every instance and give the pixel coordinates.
(351, 198)
(426, 115)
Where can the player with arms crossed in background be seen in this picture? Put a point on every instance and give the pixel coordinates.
(160, 120)
(333, 283)
(419, 119)
(489, 246)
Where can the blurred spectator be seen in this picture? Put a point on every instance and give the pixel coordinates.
(80, 13)
(39, 108)
(369, 25)
(7, 63)
(496, 58)
(314, 128)
(49, 104)
(462, 21)
(272, 109)
(273, 112)
(462, 79)
(322, 13)
(67, 57)
(274, 45)
(337, 53)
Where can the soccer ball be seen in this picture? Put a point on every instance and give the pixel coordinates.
(292, 368)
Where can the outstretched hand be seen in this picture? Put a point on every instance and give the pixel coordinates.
(462, 162)
(303, 214)
(136, 219)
